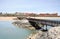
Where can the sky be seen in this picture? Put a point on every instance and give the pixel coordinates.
(36, 6)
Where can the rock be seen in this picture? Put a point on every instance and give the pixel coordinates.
(54, 33)
(35, 36)
(42, 36)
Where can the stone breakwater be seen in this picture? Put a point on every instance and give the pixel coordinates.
(53, 33)
(35, 36)
(24, 24)
(39, 35)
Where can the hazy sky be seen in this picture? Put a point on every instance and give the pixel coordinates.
(30, 6)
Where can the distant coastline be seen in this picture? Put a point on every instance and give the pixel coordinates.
(20, 18)
(8, 18)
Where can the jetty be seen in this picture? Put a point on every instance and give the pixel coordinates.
(40, 22)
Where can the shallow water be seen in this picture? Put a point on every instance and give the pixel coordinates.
(9, 31)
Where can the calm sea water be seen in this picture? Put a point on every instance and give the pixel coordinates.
(9, 31)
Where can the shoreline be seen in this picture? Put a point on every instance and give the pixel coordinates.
(32, 35)
(23, 24)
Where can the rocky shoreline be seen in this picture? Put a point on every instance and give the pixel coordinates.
(24, 24)
(33, 36)
(52, 33)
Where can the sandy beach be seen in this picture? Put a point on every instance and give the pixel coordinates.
(8, 18)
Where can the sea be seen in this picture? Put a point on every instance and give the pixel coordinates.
(9, 31)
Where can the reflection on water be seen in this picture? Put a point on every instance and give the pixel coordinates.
(9, 31)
